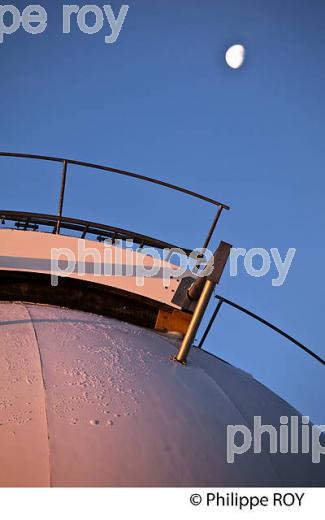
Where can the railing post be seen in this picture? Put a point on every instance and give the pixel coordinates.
(212, 228)
(61, 200)
(213, 317)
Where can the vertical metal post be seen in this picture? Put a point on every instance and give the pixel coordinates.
(212, 228)
(220, 258)
(213, 317)
(195, 322)
(63, 180)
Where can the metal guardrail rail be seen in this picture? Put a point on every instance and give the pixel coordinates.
(66, 162)
(33, 221)
(223, 300)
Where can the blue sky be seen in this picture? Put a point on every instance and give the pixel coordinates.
(161, 101)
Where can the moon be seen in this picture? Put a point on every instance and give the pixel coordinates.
(235, 56)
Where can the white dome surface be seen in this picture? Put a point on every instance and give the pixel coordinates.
(90, 401)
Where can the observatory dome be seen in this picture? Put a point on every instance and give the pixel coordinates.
(91, 326)
(88, 400)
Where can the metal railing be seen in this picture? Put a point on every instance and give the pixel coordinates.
(34, 221)
(26, 220)
(222, 300)
(63, 221)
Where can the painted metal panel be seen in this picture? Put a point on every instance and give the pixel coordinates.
(120, 412)
(31, 252)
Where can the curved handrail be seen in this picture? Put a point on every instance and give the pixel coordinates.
(65, 163)
(24, 220)
(119, 172)
(261, 320)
